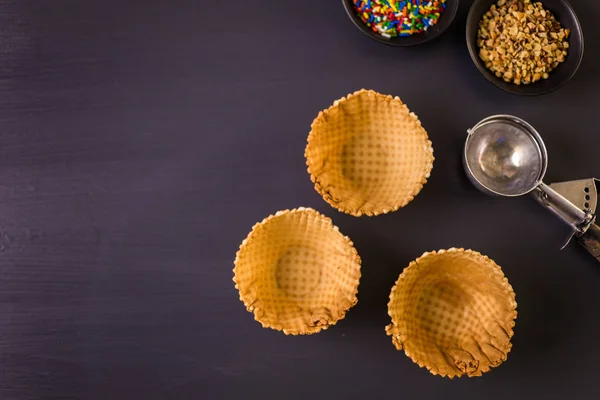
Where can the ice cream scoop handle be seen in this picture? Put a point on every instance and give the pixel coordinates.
(590, 239)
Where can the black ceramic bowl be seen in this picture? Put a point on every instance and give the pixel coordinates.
(562, 74)
(436, 30)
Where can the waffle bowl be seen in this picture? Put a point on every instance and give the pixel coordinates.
(296, 272)
(368, 154)
(453, 312)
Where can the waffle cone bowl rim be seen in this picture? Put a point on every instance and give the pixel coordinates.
(256, 305)
(398, 338)
(324, 192)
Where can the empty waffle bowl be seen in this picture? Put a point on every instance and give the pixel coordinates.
(368, 154)
(453, 312)
(296, 272)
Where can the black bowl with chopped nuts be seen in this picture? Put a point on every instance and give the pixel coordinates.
(525, 47)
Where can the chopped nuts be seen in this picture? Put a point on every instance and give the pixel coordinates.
(520, 41)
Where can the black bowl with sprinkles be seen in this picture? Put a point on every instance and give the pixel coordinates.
(401, 22)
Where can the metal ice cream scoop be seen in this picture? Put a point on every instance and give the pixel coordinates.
(505, 156)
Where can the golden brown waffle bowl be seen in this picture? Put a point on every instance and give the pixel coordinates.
(453, 312)
(296, 272)
(368, 154)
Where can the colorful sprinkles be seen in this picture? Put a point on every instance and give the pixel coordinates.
(392, 18)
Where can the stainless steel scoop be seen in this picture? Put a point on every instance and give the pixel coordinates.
(505, 156)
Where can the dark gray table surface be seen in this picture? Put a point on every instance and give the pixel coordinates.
(141, 140)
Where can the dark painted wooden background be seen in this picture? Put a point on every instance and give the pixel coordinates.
(141, 140)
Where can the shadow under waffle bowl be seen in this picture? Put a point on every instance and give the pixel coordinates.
(368, 154)
(296, 272)
(453, 312)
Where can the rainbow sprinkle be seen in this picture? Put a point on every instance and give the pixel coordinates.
(391, 18)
